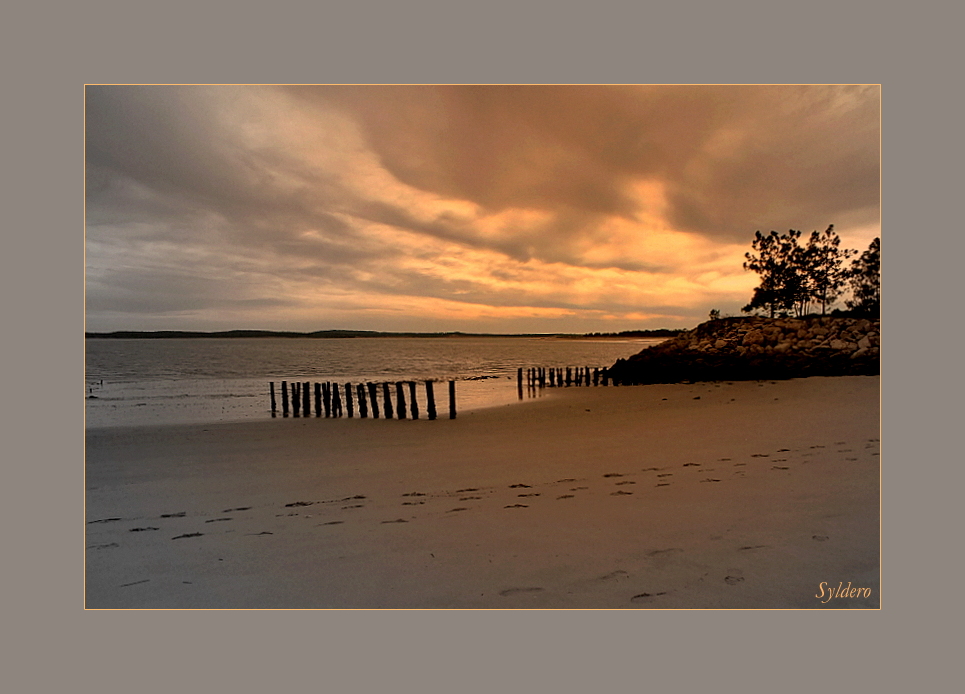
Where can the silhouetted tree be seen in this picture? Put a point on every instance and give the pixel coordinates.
(779, 261)
(865, 280)
(824, 271)
(714, 314)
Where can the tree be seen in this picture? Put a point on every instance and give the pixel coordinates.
(865, 280)
(714, 314)
(779, 262)
(824, 271)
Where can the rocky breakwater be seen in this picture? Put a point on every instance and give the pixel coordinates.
(735, 349)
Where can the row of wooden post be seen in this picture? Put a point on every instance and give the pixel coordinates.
(559, 377)
(329, 400)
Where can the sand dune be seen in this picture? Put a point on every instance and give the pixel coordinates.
(741, 495)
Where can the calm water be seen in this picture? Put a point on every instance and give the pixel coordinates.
(208, 380)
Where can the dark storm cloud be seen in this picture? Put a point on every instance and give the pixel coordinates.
(731, 157)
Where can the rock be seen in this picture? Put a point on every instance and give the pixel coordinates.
(720, 344)
(839, 344)
(864, 342)
(860, 353)
(754, 337)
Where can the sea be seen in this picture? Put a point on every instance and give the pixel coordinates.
(134, 382)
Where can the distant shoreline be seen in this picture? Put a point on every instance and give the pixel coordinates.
(323, 334)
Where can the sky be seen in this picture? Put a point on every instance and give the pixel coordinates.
(500, 209)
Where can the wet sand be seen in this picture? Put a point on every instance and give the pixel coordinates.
(740, 495)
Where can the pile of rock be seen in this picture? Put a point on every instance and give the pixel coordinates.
(758, 348)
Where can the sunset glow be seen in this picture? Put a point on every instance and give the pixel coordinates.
(478, 209)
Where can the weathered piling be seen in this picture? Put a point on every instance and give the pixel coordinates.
(318, 399)
(399, 401)
(373, 399)
(430, 401)
(569, 376)
(336, 401)
(296, 399)
(306, 398)
(519, 382)
(413, 405)
(605, 377)
(284, 398)
(348, 400)
(542, 377)
(327, 399)
(386, 401)
(363, 405)
(274, 407)
(452, 399)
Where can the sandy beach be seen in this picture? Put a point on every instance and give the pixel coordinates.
(727, 495)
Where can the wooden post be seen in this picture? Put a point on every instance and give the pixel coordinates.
(399, 401)
(605, 375)
(569, 376)
(386, 401)
(348, 400)
(327, 399)
(306, 399)
(274, 407)
(542, 377)
(296, 399)
(336, 400)
(452, 399)
(318, 399)
(363, 405)
(586, 375)
(373, 400)
(413, 405)
(430, 401)
(519, 382)
(284, 398)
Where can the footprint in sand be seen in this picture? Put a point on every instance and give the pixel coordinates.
(257, 534)
(172, 515)
(620, 492)
(568, 479)
(565, 496)
(517, 506)
(111, 544)
(691, 464)
(733, 580)
(624, 482)
(468, 489)
(302, 503)
(613, 474)
(215, 520)
(779, 467)
(525, 495)
(614, 575)
(415, 503)
(355, 506)
(819, 538)
(761, 455)
(397, 520)
(140, 530)
(646, 597)
(752, 547)
(669, 550)
(460, 508)
(472, 498)
(739, 464)
(783, 450)
(134, 583)
(240, 508)
(723, 459)
(710, 479)
(517, 591)
(663, 484)
(665, 474)
(576, 489)
(332, 523)
(850, 458)
(414, 494)
(109, 520)
(519, 486)
(178, 537)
